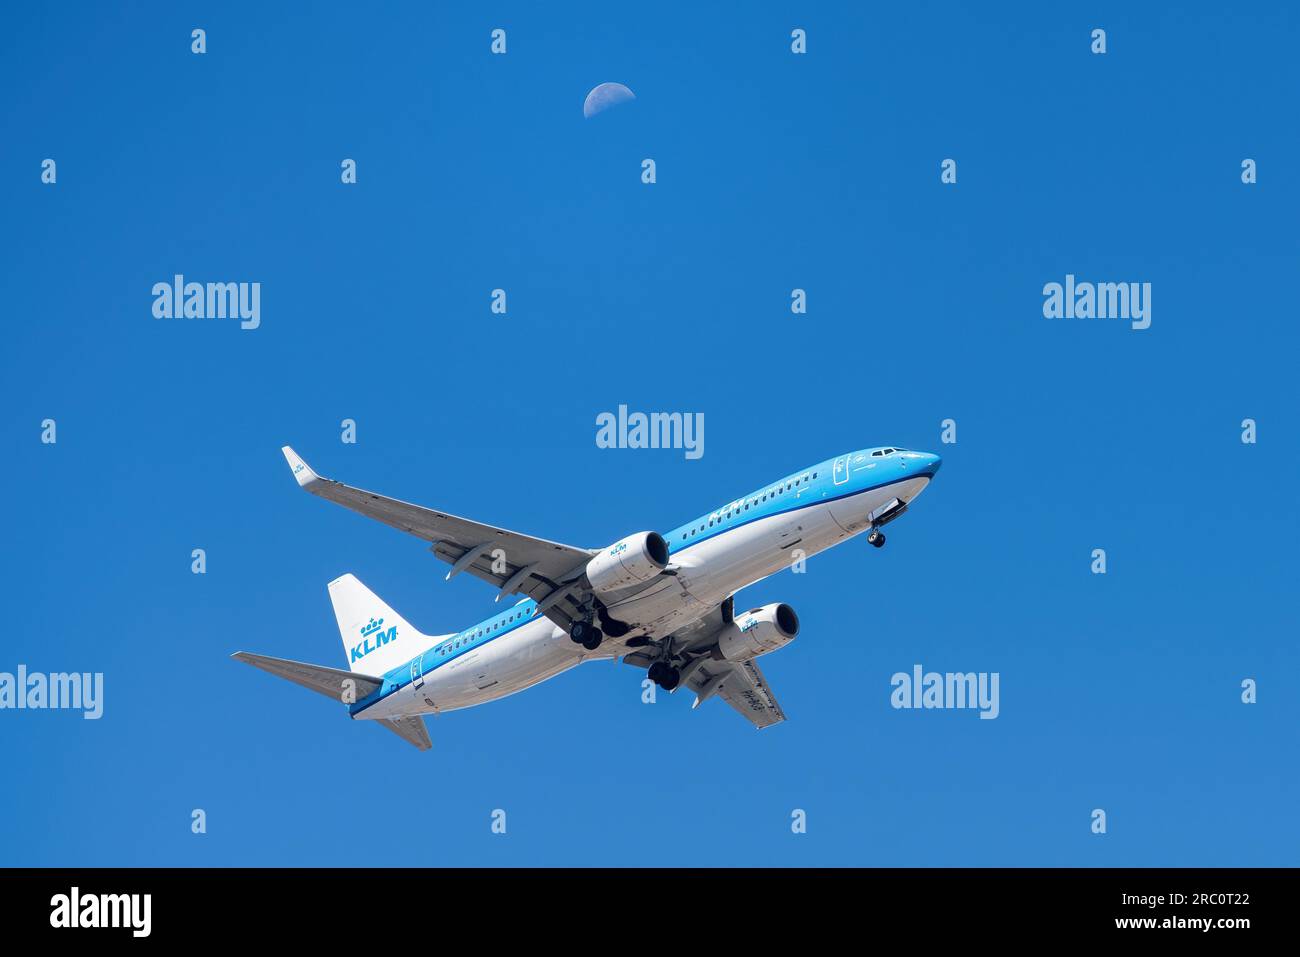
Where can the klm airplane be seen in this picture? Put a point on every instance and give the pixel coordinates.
(661, 602)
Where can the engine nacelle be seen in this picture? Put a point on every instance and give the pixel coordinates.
(632, 561)
(756, 632)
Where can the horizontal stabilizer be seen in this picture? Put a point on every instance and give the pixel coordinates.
(343, 686)
(411, 729)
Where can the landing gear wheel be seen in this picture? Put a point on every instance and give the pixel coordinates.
(580, 632)
(876, 538)
(664, 675)
(593, 639)
(615, 629)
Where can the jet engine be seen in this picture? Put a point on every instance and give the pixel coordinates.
(756, 632)
(632, 561)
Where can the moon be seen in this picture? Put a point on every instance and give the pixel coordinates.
(605, 96)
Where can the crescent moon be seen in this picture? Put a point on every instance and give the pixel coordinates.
(605, 96)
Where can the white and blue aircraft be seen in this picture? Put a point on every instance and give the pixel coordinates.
(661, 602)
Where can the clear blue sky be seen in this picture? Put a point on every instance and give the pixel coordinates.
(775, 171)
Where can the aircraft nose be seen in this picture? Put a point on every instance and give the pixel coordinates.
(931, 464)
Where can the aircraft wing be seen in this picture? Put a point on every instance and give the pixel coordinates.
(703, 632)
(742, 685)
(513, 562)
(739, 684)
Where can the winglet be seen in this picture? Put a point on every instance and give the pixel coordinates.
(301, 470)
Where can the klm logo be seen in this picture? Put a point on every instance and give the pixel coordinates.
(749, 625)
(373, 637)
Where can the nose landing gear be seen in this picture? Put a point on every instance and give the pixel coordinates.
(877, 538)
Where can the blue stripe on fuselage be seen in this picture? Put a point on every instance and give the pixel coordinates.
(779, 504)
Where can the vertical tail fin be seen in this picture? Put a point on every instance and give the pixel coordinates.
(376, 639)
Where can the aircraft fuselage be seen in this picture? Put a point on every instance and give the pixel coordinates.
(712, 558)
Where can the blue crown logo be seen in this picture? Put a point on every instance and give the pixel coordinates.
(373, 637)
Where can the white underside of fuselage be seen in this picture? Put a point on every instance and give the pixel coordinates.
(708, 572)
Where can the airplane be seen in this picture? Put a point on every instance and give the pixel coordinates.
(663, 602)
